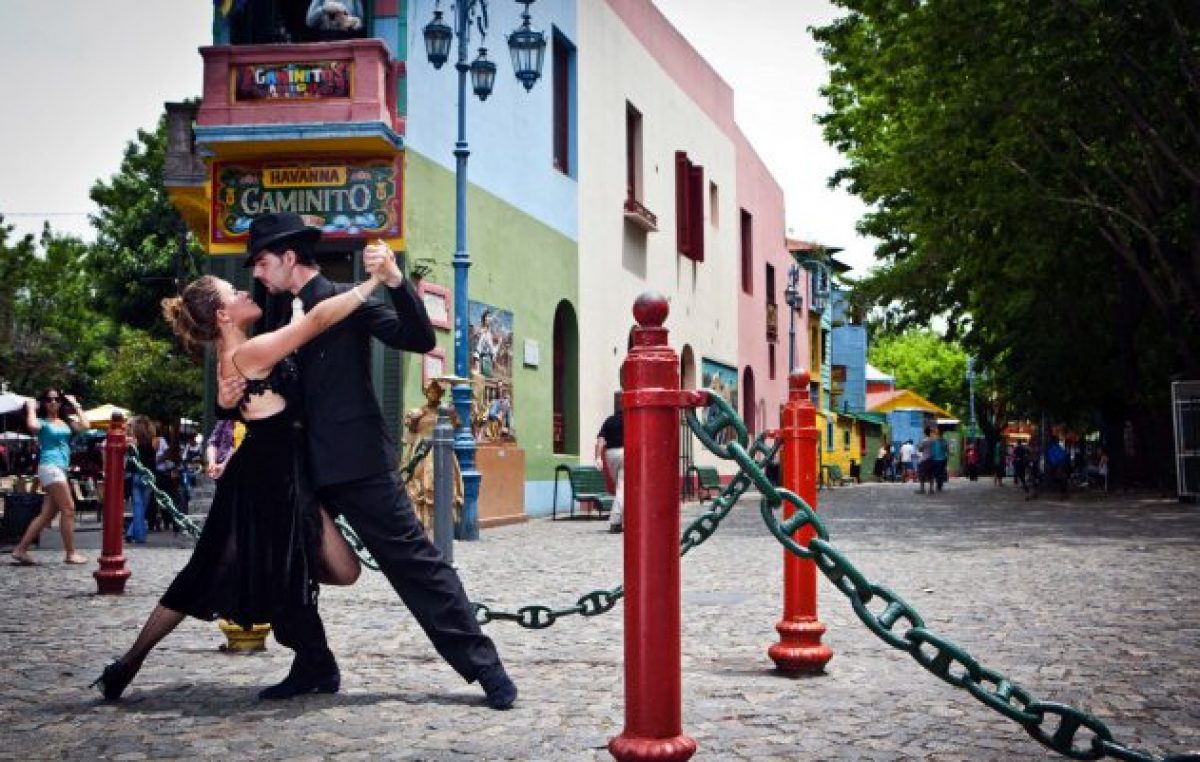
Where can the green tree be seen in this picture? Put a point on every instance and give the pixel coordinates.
(54, 336)
(927, 364)
(1033, 169)
(152, 377)
(142, 252)
(141, 255)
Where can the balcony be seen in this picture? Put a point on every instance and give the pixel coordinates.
(310, 97)
(640, 216)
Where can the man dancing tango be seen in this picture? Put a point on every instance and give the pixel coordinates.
(352, 461)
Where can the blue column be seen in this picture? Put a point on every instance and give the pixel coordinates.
(464, 439)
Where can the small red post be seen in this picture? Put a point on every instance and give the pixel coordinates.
(111, 576)
(799, 650)
(651, 400)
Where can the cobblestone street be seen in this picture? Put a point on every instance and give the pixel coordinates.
(1093, 602)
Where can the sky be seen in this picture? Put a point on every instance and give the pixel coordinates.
(92, 73)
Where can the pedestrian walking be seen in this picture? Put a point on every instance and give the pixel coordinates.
(907, 467)
(610, 454)
(141, 493)
(53, 420)
(972, 459)
(924, 458)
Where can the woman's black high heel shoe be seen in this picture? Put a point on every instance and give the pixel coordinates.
(115, 678)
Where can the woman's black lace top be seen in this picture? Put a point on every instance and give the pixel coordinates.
(280, 380)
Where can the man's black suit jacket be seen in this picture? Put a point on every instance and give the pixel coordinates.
(347, 438)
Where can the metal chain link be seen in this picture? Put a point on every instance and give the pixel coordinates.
(178, 517)
(940, 656)
(537, 617)
(352, 539)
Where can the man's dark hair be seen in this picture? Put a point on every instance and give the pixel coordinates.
(304, 252)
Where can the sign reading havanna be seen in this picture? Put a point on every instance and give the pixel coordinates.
(346, 198)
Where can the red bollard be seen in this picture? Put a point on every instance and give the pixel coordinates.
(652, 399)
(111, 576)
(799, 650)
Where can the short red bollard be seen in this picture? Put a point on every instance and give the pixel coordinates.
(652, 400)
(799, 650)
(111, 576)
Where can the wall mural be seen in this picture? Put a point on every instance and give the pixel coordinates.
(491, 343)
(722, 379)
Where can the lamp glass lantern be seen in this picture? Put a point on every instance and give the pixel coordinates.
(438, 36)
(483, 75)
(528, 49)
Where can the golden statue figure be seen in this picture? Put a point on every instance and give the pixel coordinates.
(418, 427)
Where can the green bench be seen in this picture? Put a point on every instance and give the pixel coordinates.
(708, 481)
(587, 490)
(835, 477)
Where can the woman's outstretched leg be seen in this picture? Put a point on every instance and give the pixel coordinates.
(339, 565)
(117, 676)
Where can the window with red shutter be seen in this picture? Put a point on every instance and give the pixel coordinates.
(683, 228)
(747, 241)
(696, 211)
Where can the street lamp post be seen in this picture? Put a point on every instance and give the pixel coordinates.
(971, 430)
(528, 49)
(791, 295)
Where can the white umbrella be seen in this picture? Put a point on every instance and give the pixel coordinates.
(10, 402)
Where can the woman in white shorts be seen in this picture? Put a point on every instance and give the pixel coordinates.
(55, 418)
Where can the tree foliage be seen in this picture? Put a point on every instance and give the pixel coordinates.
(924, 362)
(86, 316)
(55, 337)
(139, 255)
(158, 380)
(1033, 168)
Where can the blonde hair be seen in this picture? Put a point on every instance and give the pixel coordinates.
(193, 314)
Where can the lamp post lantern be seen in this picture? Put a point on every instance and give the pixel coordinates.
(791, 295)
(531, 46)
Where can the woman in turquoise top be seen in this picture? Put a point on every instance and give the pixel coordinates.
(55, 418)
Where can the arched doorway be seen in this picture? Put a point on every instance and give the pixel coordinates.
(565, 392)
(687, 367)
(749, 400)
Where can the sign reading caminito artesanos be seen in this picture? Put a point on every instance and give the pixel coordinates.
(344, 198)
(293, 81)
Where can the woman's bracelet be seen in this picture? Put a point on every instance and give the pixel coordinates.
(358, 293)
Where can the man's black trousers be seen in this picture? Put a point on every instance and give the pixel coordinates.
(379, 511)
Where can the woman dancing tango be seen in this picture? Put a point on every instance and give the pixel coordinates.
(266, 543)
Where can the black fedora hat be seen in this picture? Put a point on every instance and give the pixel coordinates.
(270, 230)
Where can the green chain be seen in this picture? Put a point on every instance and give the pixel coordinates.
(178, 517)
(406, 471)
(352, 539)
(538, 617)
(943, 658)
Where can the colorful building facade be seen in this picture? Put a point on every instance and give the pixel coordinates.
(622, 170)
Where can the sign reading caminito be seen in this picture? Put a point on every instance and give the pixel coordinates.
(344, 198)
(292, 81)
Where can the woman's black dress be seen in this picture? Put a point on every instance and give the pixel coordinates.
(257, 554)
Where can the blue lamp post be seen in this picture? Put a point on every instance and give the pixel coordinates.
(528, 49)
(791, 295)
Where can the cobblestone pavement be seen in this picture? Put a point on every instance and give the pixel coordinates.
(1092, 602)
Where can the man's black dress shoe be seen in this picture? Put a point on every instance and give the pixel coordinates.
(501, 691)
(299, 683)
